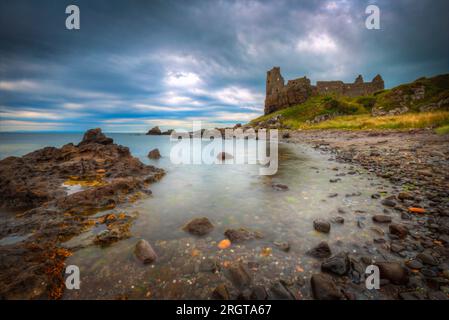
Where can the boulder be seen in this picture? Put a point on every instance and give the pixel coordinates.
(242, 234)
(95, 136)
(322, 226)
(381, 218)
(224, 156)
(155, 131)
(338, 264)
(259, 293)
(239, 275)
(398, 230)
(145, 252)
(199, 226)
(324, 287)
(221, 292)
(154, 154)
(394, 272)
(322, 250)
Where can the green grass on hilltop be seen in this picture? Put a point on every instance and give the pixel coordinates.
(398, 122)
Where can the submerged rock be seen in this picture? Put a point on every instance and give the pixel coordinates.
(242, 234)
(322, 226)
(154, 154)
(282, 245)
(199, 226)
(322, 250)
(224, 156)
(145, 252)
(381, 218)
(324, 287)
(280, 187)
(239, 275)
(221, 292)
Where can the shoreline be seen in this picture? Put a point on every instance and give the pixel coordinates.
(416, 159)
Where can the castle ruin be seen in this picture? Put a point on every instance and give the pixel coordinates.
(280, 96)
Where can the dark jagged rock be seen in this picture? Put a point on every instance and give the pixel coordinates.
(199, 226)
(95, 136)
(338, 264)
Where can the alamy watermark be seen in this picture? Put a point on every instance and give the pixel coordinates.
(226, 146)
(373, 19)
(73, 20)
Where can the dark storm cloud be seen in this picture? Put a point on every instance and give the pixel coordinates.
(134, 64)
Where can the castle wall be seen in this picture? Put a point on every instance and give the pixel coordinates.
(280, 96)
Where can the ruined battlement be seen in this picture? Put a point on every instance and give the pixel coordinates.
(280, 95)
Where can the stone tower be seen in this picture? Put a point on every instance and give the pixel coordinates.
(275, 81)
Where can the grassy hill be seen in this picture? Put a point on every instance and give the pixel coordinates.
(424, 101)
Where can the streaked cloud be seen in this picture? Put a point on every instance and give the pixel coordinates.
(170, 62)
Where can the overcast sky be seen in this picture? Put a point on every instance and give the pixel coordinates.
(136, 64)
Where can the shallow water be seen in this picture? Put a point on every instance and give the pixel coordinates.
(231, 196)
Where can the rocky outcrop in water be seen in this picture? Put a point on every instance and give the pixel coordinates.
(106, 175)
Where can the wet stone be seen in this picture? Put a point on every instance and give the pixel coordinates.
(208, 265)
(324, 287)
(199, 226)
(338, 220)
(398, 230)
(239, 275)
(321, 226)
(338, 264)
(241, 234)
(279, 292)
(414, 264)
(427, 258)
(381, 218)
(282, 245)
(280, 187)
(388, 202)
(393, 272)
(154, 154)
(259, 293)
(221, 292)
(145, 252)
(322, 250)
